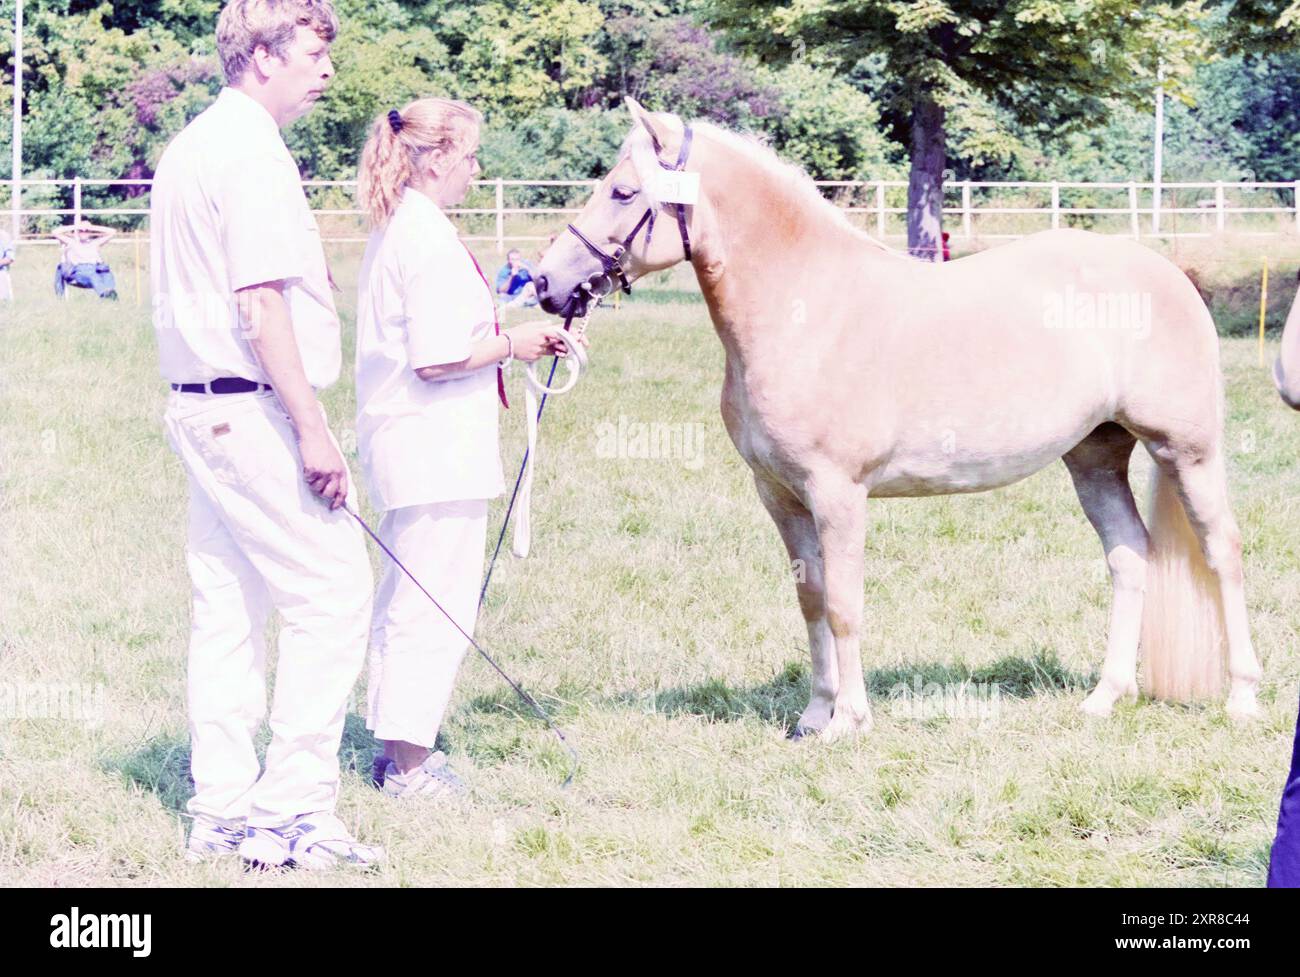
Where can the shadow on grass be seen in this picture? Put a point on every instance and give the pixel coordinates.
(160, 765)
(780, 700)
(359, 747)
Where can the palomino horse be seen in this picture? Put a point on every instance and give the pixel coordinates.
(854, 372)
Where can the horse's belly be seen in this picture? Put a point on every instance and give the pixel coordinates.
(940, 472)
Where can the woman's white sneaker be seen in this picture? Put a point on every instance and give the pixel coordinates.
(432, 778)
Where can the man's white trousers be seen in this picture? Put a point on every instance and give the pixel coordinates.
(260, 539)
(415, 651)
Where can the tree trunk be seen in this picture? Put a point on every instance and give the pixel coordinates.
(925, 182)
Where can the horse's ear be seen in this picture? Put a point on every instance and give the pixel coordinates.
(643, 118)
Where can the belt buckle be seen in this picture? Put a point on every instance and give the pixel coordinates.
(207, 387)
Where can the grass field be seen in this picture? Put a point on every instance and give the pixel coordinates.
(657, 621)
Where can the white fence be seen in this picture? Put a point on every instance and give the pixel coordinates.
(1138, 208)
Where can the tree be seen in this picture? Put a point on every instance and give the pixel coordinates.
(1049, 66)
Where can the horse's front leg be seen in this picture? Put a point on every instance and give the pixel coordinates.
(839, 508)
(799, 533)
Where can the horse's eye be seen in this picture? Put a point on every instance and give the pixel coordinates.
(623, 193)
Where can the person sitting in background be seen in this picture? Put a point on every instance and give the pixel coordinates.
(82, 264)
(6, 259)
(515, 281)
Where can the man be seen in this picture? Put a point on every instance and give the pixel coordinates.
(82, 263)
(247, 335)
(515, 281)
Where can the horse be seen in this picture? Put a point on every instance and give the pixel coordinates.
(856, 372)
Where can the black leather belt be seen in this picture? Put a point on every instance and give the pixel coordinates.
(222, 385)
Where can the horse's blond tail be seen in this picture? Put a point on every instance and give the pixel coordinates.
(1184, 641)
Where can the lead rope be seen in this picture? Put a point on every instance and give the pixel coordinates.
(527, 699)
(575, 362)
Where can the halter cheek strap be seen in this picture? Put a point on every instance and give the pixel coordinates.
(612, 264)
(682, 155)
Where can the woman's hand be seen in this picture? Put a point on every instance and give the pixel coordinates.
(533, 340)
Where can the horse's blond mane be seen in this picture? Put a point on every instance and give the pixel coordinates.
(794, 178)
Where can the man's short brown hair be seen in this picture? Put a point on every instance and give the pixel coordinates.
(246, 25)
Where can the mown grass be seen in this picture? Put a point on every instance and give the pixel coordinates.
(657, 622)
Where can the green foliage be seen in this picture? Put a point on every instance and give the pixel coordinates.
(1031, 88)
(995, 72)
(1048, 61)
(829, 127)
(553, 144)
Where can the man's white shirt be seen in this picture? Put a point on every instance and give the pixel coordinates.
(227, 212)
(422, 302)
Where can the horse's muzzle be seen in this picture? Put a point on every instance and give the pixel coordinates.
(577, 302)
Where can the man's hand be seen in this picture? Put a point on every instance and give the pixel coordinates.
(323, 466)
(265, 317)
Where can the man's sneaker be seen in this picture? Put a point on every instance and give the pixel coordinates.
(313, 841)
(433, 778)
(210, 837)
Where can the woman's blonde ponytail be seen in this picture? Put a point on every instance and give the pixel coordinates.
(397, 141)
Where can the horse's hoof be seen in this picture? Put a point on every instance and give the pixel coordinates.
(1243, 708)
(796, 733)
(841, 727)
(1101, 702)
(1099, 705)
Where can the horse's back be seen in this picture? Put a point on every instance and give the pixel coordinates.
(1005, 360)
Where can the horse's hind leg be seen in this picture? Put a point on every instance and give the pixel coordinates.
(799, 532)
(1098, 466)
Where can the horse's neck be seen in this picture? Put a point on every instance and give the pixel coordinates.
(765, 255)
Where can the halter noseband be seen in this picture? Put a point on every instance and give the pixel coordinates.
(613, 263)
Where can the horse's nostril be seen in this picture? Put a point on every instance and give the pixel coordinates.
(541, 284)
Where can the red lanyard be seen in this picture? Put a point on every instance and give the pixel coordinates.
(496, 323)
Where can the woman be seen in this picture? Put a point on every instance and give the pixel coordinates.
(428, 380)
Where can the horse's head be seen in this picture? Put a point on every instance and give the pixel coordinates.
(636, 221)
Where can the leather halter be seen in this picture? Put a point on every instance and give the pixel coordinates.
(613, 263)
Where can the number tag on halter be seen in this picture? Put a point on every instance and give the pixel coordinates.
(677, 187)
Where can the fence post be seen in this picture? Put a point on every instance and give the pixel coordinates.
(76, 200)
(1056, 205)
(965, 209)
(1133, 210)
(1297, 206)
(1218, 206)
(501, 216)
(880, 209)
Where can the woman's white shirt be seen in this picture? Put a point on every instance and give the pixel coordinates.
(422, 302)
